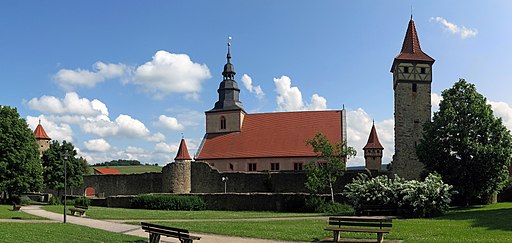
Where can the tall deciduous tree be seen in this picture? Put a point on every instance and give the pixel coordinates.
(329, 165)
(53, 166)
(467, 144)
(20, 167)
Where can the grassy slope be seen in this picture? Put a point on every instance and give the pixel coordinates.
(136, 169)
(7, 213)
(487, 224)
(57, 232)
(122, 213)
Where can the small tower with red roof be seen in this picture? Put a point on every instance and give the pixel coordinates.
(177, 175)
(42, 139)
(373, 151)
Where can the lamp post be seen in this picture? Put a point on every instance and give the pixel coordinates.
(65, 157)
(225, 180)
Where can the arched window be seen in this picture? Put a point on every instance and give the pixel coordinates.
(222, 122)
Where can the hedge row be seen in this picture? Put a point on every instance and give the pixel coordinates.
(168, 202)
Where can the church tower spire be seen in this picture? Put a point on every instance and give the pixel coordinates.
(228, 113)
(373, 151)
(412, 78)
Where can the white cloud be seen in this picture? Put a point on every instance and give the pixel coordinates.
(435, 100)
(99, 145)
(71, 104)
(166, 148)
(70, 79)
(171, 73)
(290, 98)
(503, 110)
(463, 31)
(359, 125)
(157, 137)
(170, 123)
(130, 127)
(55, 130)
(247, 81)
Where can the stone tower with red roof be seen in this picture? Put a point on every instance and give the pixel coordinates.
(177, 175)
(412, 78)
(42, 139)
(373, 151)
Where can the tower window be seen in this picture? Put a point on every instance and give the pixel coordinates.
(423, 70)
(222, 122)
(414, 88)
(406, 69)
(231, 167)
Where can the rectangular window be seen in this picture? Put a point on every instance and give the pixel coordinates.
(406, 69)
(297, 166)
(414, 88)
(231, 167)
(423, 70)
(274, 166)
(252, 166)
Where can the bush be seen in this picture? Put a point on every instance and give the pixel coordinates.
(168, 202)
(82, 201)
(316, 204)
(54, 201)
(422, 199)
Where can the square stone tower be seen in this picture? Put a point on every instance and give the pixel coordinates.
(412, 78)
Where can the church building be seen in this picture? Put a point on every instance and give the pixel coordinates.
(238, 141)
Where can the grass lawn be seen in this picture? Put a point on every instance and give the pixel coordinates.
(58, 232)
(7, 213)
(485, 224)
(136, 169)
(123, 213)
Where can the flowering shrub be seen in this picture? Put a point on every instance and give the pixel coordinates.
(423, 199)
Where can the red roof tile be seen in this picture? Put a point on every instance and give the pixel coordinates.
(182, 151)
(373, 140)
(39, 133)
(278, 134)
(107, 171)
(411, 49)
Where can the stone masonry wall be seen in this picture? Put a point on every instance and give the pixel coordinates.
(132, 184)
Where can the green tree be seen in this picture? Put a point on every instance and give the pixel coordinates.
(329, 164)
(20, 167)
(53, 166)
(466, 144)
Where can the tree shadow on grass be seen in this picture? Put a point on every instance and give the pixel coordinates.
(498, 219)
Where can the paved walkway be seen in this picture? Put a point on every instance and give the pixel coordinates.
(134, 230)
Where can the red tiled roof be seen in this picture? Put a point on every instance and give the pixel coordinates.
(39, 133)
(373, 140)
(411, 49)
(278, 134)
(182, 151)
(107, 171)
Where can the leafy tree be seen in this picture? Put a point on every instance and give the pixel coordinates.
(467, 144)
(86, 168)
(20, 167)
(53, 166)
(329, 164)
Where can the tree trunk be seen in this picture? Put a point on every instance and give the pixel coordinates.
(332, 192)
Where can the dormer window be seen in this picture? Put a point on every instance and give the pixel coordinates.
(222, 123)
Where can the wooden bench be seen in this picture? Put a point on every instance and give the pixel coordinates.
(377, 210)
(16, 207)
(363, 224)
(155, 231)
(79, 209)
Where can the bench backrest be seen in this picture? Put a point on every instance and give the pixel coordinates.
(82, 206)
(165, 230)
(374, 222)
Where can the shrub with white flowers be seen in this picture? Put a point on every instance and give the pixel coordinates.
(426, 198)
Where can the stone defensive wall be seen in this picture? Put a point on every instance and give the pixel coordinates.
(200, 177)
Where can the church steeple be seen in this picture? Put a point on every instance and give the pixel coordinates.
(229, 93)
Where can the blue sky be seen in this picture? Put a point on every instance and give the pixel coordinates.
(124, 80)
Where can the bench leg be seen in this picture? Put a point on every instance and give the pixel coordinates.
(154, 238)
(336, 236)
(380, 237)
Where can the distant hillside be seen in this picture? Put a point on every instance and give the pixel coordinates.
(134, 169)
